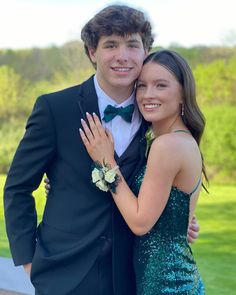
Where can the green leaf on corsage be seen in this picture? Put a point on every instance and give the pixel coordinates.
(149, 135)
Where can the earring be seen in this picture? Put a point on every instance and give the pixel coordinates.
(182, 109)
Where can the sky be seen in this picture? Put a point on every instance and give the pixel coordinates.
(42, 23)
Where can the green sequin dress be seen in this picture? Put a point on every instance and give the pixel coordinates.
(163, 260)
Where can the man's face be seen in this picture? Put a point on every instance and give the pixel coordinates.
(119, 61)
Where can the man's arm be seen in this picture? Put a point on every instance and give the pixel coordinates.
(30, 162)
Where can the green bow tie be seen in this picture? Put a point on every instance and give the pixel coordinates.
(126, 113)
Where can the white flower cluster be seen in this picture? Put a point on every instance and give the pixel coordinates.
(103, 177)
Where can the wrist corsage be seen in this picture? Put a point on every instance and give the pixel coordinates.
(105, 177)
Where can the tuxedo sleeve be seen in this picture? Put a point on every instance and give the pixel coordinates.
(32, 159)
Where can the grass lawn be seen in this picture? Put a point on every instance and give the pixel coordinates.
(215, 250)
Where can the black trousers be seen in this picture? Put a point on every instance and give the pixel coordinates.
(98, 281)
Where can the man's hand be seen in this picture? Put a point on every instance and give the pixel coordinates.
(27, 268)
(47, 186)
(193, 230)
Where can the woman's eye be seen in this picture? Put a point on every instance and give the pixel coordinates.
(161, 85)
(140, 85)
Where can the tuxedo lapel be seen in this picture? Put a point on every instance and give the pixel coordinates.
(88, 100)
(143, 142)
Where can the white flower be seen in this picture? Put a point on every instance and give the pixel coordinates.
(110, 176)
(103, 176)
(101, 185)
(96, 176)
(104, 169)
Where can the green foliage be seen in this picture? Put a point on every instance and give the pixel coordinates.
(216, 82)
(26, 74)
(11, 133)
(219, 141)
(10, 89)
(41, 64)
(204, 55)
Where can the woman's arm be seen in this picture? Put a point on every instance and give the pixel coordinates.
(143, 212)
(139, 213)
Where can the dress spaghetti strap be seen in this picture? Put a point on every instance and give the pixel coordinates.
(196, 187)
(199, 181)
(182, 130)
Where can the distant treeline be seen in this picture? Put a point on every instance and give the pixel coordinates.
(26, 74)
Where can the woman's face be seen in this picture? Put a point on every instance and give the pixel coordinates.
(159, 94)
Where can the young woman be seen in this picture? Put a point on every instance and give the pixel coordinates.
(167, 188)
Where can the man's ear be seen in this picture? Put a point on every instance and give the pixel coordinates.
(92, 55)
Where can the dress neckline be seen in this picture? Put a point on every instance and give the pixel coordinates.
(182, 130)
(192, 192)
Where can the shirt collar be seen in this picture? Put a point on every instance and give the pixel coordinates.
(104, 99)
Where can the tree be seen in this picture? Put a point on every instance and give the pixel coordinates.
(216, 82)
(10, 90)
(219, 141)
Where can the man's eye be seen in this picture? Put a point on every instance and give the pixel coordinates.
(134, 46)
(109, 46)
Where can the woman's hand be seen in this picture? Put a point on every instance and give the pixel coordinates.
(98, 141)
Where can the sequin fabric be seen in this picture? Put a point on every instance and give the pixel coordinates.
(163, 260)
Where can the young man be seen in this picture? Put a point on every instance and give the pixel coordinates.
(82, 246)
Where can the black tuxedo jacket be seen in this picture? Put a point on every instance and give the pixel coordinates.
(78, 217)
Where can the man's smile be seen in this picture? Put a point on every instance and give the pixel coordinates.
(121, 69)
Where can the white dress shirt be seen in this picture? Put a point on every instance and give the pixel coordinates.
(122, 131)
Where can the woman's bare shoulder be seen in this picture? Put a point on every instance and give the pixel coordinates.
(171, 141)
(173, 146)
